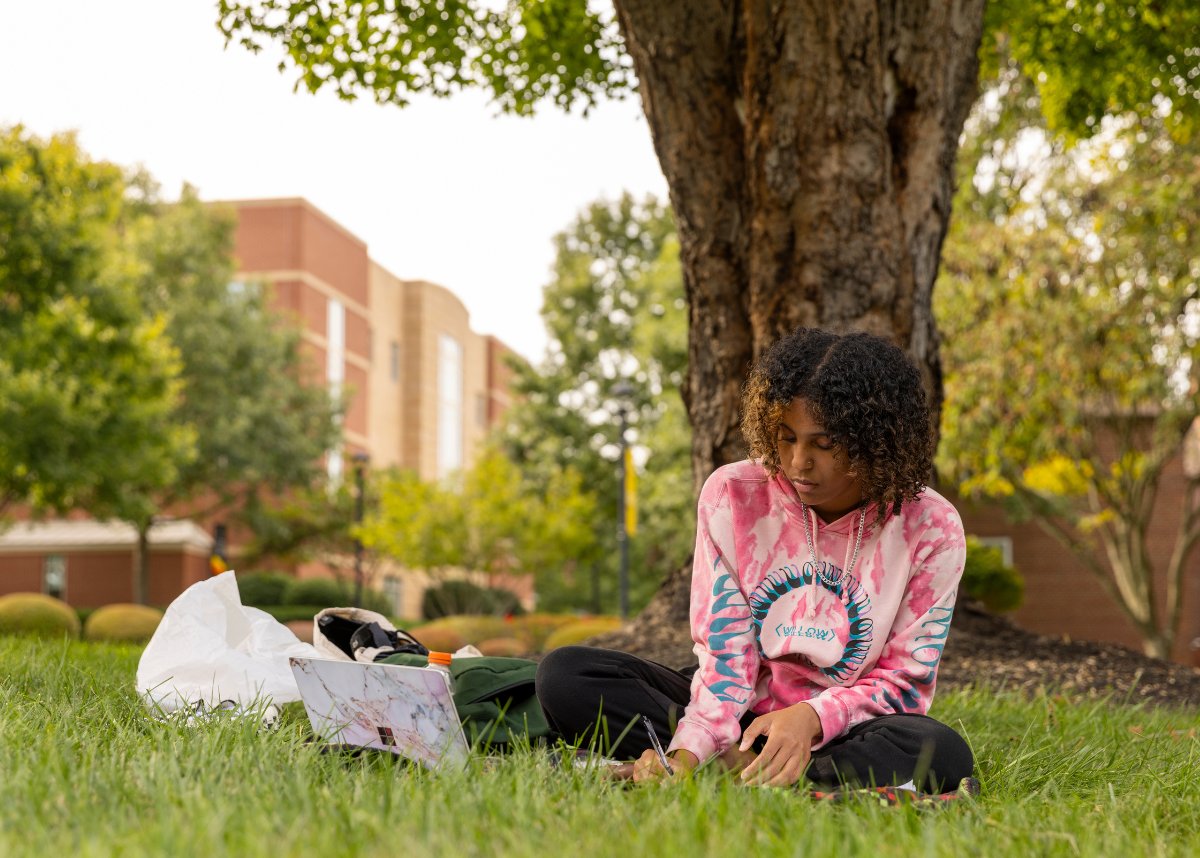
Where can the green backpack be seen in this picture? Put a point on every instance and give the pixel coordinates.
(494, 697)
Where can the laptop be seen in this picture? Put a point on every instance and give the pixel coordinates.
(388, 707)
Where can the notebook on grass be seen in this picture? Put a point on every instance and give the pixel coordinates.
(389, 707)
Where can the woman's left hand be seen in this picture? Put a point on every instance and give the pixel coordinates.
(790, 734)
(648, 767)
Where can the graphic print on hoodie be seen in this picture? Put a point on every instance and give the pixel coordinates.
(773, 629)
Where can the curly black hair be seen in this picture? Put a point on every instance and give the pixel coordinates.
(867, 395)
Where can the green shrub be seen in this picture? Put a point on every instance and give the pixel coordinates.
(37, 614)
(509, 647)
(329, 593)
(122, 623)
(317, 591)
(263, 588)
(581, 630)
(988, 579)
(465, 597)
(465, 629)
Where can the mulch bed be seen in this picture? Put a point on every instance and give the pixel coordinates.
(993, 652)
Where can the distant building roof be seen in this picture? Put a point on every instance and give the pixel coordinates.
(59, 535)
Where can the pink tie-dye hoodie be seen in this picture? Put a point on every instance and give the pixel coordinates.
(771, 630)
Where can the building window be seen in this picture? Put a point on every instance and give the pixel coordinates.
(335, 346)
(395, 361)
(241, 290)
(335, 375)
(1004, 543)
(54, 576)
(393, 591)
(334, 466)
(450, 405)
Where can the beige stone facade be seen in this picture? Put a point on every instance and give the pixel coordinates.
(431, 400)
(423, 387)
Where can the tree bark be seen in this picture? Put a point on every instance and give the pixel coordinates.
(141, 565)
(809, 150)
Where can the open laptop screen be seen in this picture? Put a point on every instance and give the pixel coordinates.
(390, 707)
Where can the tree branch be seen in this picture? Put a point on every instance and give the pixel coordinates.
(1044, 516)
(1185, 540)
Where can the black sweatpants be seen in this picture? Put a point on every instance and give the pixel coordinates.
(581, 688)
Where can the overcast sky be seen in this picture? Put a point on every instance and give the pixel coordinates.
(441, 190)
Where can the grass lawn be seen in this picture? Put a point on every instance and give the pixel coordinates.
(84, 772)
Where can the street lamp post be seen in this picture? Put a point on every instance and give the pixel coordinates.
(623, 390)
(360, 463)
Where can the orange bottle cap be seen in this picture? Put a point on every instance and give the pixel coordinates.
(439, 658)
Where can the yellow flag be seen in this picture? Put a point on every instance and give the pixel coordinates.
(630, 494)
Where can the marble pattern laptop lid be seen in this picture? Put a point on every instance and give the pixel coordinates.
(389, 707)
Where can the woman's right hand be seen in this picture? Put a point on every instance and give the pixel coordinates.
(648, 767)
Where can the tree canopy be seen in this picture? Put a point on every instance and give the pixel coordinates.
(526, 52)
(1070, 298)
(1089, 59)
(1092, 59)
(136, 379)
(262, 425)
(89, 382)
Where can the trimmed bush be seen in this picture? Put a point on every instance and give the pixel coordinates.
(263, 588)
(329, 593)
(37, 614)
(988, 579)
(451, 598)
(122, 623)
(534, 629)
(509, 647)
(440, 638)
(582, 630)
(475, 628)
(316, 591)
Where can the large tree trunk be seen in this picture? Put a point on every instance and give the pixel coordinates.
(809, 148)
(141, 564)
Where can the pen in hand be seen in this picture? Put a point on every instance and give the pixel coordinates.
(662, 758)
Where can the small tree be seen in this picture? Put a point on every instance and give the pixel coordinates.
(1071, 302)
(260, 426)
(614, 311)
(485, 520)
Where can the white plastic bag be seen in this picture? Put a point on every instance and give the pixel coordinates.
(210, 648)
